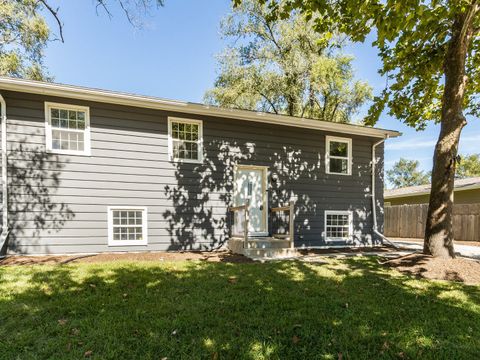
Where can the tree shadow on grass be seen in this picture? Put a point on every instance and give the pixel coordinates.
(287, 310)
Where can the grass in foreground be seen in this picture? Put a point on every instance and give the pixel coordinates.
(286, 310)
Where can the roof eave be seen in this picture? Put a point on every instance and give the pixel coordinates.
(89, 94)
(427, 192)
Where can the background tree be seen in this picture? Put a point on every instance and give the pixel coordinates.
(429, 50)
(284, 67)
(25, 32)
(468, 166)
(406, 173)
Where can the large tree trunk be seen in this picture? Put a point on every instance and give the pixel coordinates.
(439, 228)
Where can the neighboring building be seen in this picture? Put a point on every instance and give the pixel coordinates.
(94, 171)
(466, 191)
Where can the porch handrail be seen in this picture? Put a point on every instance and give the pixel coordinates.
(291, 219)
(246, 218)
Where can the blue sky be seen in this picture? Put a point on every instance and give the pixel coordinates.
(173, 56)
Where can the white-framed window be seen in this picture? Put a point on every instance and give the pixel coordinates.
(127, 226)
(338, 225)
(185, 140)
(67, 128)
(338, 157)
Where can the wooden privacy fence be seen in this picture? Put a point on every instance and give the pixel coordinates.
(408, 221)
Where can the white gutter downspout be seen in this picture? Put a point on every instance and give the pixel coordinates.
(5, 229)
(374, 202)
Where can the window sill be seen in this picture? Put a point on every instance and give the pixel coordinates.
(69, 152)
(128, 243)
(188, 161)
(338, 239)
(334, 173)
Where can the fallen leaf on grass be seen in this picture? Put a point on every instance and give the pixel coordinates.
(88, 353)
(232, 280)
(62, 322)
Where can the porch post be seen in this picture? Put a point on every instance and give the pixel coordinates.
(292, 224)
(245, 224)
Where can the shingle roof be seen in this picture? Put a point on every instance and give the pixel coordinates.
(460, 184)
(113, 97)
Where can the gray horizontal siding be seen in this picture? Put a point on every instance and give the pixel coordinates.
(58, 203)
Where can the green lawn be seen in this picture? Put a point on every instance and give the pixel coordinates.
(284, 310)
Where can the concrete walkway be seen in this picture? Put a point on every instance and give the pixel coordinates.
(469, 251)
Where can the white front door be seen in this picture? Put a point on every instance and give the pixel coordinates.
(250, 184)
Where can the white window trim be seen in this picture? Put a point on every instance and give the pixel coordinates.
(48, 129)
(200, 139)
(350, 224)
(328, 140)
(144, 241)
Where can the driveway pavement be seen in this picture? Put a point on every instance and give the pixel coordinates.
(469, 251)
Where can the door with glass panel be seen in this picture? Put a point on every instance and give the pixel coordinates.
(250, 184)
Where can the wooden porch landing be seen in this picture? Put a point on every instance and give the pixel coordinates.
(262, 247)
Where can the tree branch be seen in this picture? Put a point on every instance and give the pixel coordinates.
(104, 6)
(127, 13)
(467, 24)
(54, 12)
(270, 102)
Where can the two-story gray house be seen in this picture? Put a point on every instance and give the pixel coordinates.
(87, 170)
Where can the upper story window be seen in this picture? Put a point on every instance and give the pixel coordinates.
(338, 159)
(185, 140)
(67, 129)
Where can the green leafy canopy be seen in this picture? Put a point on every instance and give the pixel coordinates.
(406, 173)
(469, 166)
(285, 67)
(23, 36)
(412, 38)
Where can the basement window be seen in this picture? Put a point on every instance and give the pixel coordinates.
(127, 226)
(338, 157)
(67, 129)
(338, 225)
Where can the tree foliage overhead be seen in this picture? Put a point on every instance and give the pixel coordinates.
(25, 32)
(284, 67)
(412, 38)
(469, 166)
(406, 173)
